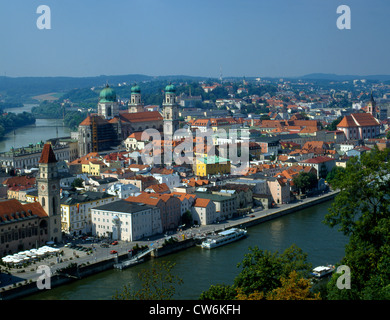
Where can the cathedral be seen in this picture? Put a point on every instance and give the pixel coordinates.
(110, 126)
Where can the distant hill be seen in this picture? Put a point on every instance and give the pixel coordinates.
(336, 77)
(22, 89)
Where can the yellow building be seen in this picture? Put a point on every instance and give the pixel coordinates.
(93, 167)
(211, 165)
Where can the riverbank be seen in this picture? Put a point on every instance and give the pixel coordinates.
(101, 259)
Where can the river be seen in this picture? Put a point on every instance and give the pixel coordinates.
(42, 130)
(200, 268)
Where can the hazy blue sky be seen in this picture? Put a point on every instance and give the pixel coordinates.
(194, 37)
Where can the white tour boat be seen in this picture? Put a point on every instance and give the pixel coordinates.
(223, 237)
(322, 271)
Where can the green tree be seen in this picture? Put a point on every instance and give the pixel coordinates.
(333, 174)
(77, 183)
(157, 283)
(304, 181)
(361, 211)
(334, 123)
(261, 273)
(187, 218)
(219, 292)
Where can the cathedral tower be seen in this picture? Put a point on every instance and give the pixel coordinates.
(108, 105)
(170, 111)
(135, 104)
(49, 191)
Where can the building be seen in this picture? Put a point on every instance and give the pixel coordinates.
(76, 209)
(211, 165)
(279, 190)
(359, 126)
(123, 191)
(22, 226)
(126, 221)
(106, 130)
(135, 104)
(169, 205)
(170, 111)
(225, 205)
(28, 157)
(48, 184)
(322, 164)
(203, 211)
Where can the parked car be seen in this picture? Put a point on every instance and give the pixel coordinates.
(114, 243)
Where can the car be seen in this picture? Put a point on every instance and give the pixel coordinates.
(113, 251)
(252, 216)
(68, 244)
(114, 243)
(104, 245)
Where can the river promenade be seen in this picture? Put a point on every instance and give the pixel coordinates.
(19, 283)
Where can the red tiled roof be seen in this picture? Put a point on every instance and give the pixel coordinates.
(10, 207)
(203, 203)
(320, 159)
(47, 155)
(93, 118)
(145, 116)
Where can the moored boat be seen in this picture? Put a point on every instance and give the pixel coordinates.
(224, 237)
(323, 271)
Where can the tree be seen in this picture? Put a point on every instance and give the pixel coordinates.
(187, 218)
(361, 210)
(333, 173)
(219, 292)
(262, 270)
(304, 181)
(333, 125)
(293, 288)
(77, 183)
(157, 283)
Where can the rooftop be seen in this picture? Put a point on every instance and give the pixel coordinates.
(124, 206)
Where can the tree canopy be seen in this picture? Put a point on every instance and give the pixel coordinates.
(361, 211)
(262, 272)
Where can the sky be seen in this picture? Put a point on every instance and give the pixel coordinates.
(261, 38)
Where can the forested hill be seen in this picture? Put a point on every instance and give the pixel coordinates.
(21, 89)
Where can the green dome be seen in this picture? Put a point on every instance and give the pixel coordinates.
(135, 89)
(170, 88)
(107, 95)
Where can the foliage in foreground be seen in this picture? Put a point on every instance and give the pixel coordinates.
(267, 275)
(157, 283)
(362, 211)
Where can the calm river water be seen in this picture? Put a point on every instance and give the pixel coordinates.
(201, 268)
(42, 130)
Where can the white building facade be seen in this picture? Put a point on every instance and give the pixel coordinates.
(126, 221)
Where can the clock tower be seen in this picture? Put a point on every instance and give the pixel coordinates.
(49, 191)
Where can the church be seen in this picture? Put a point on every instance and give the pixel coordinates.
(110, 126)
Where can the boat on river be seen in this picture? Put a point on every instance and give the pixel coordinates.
(323, 271)
(223, 237)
